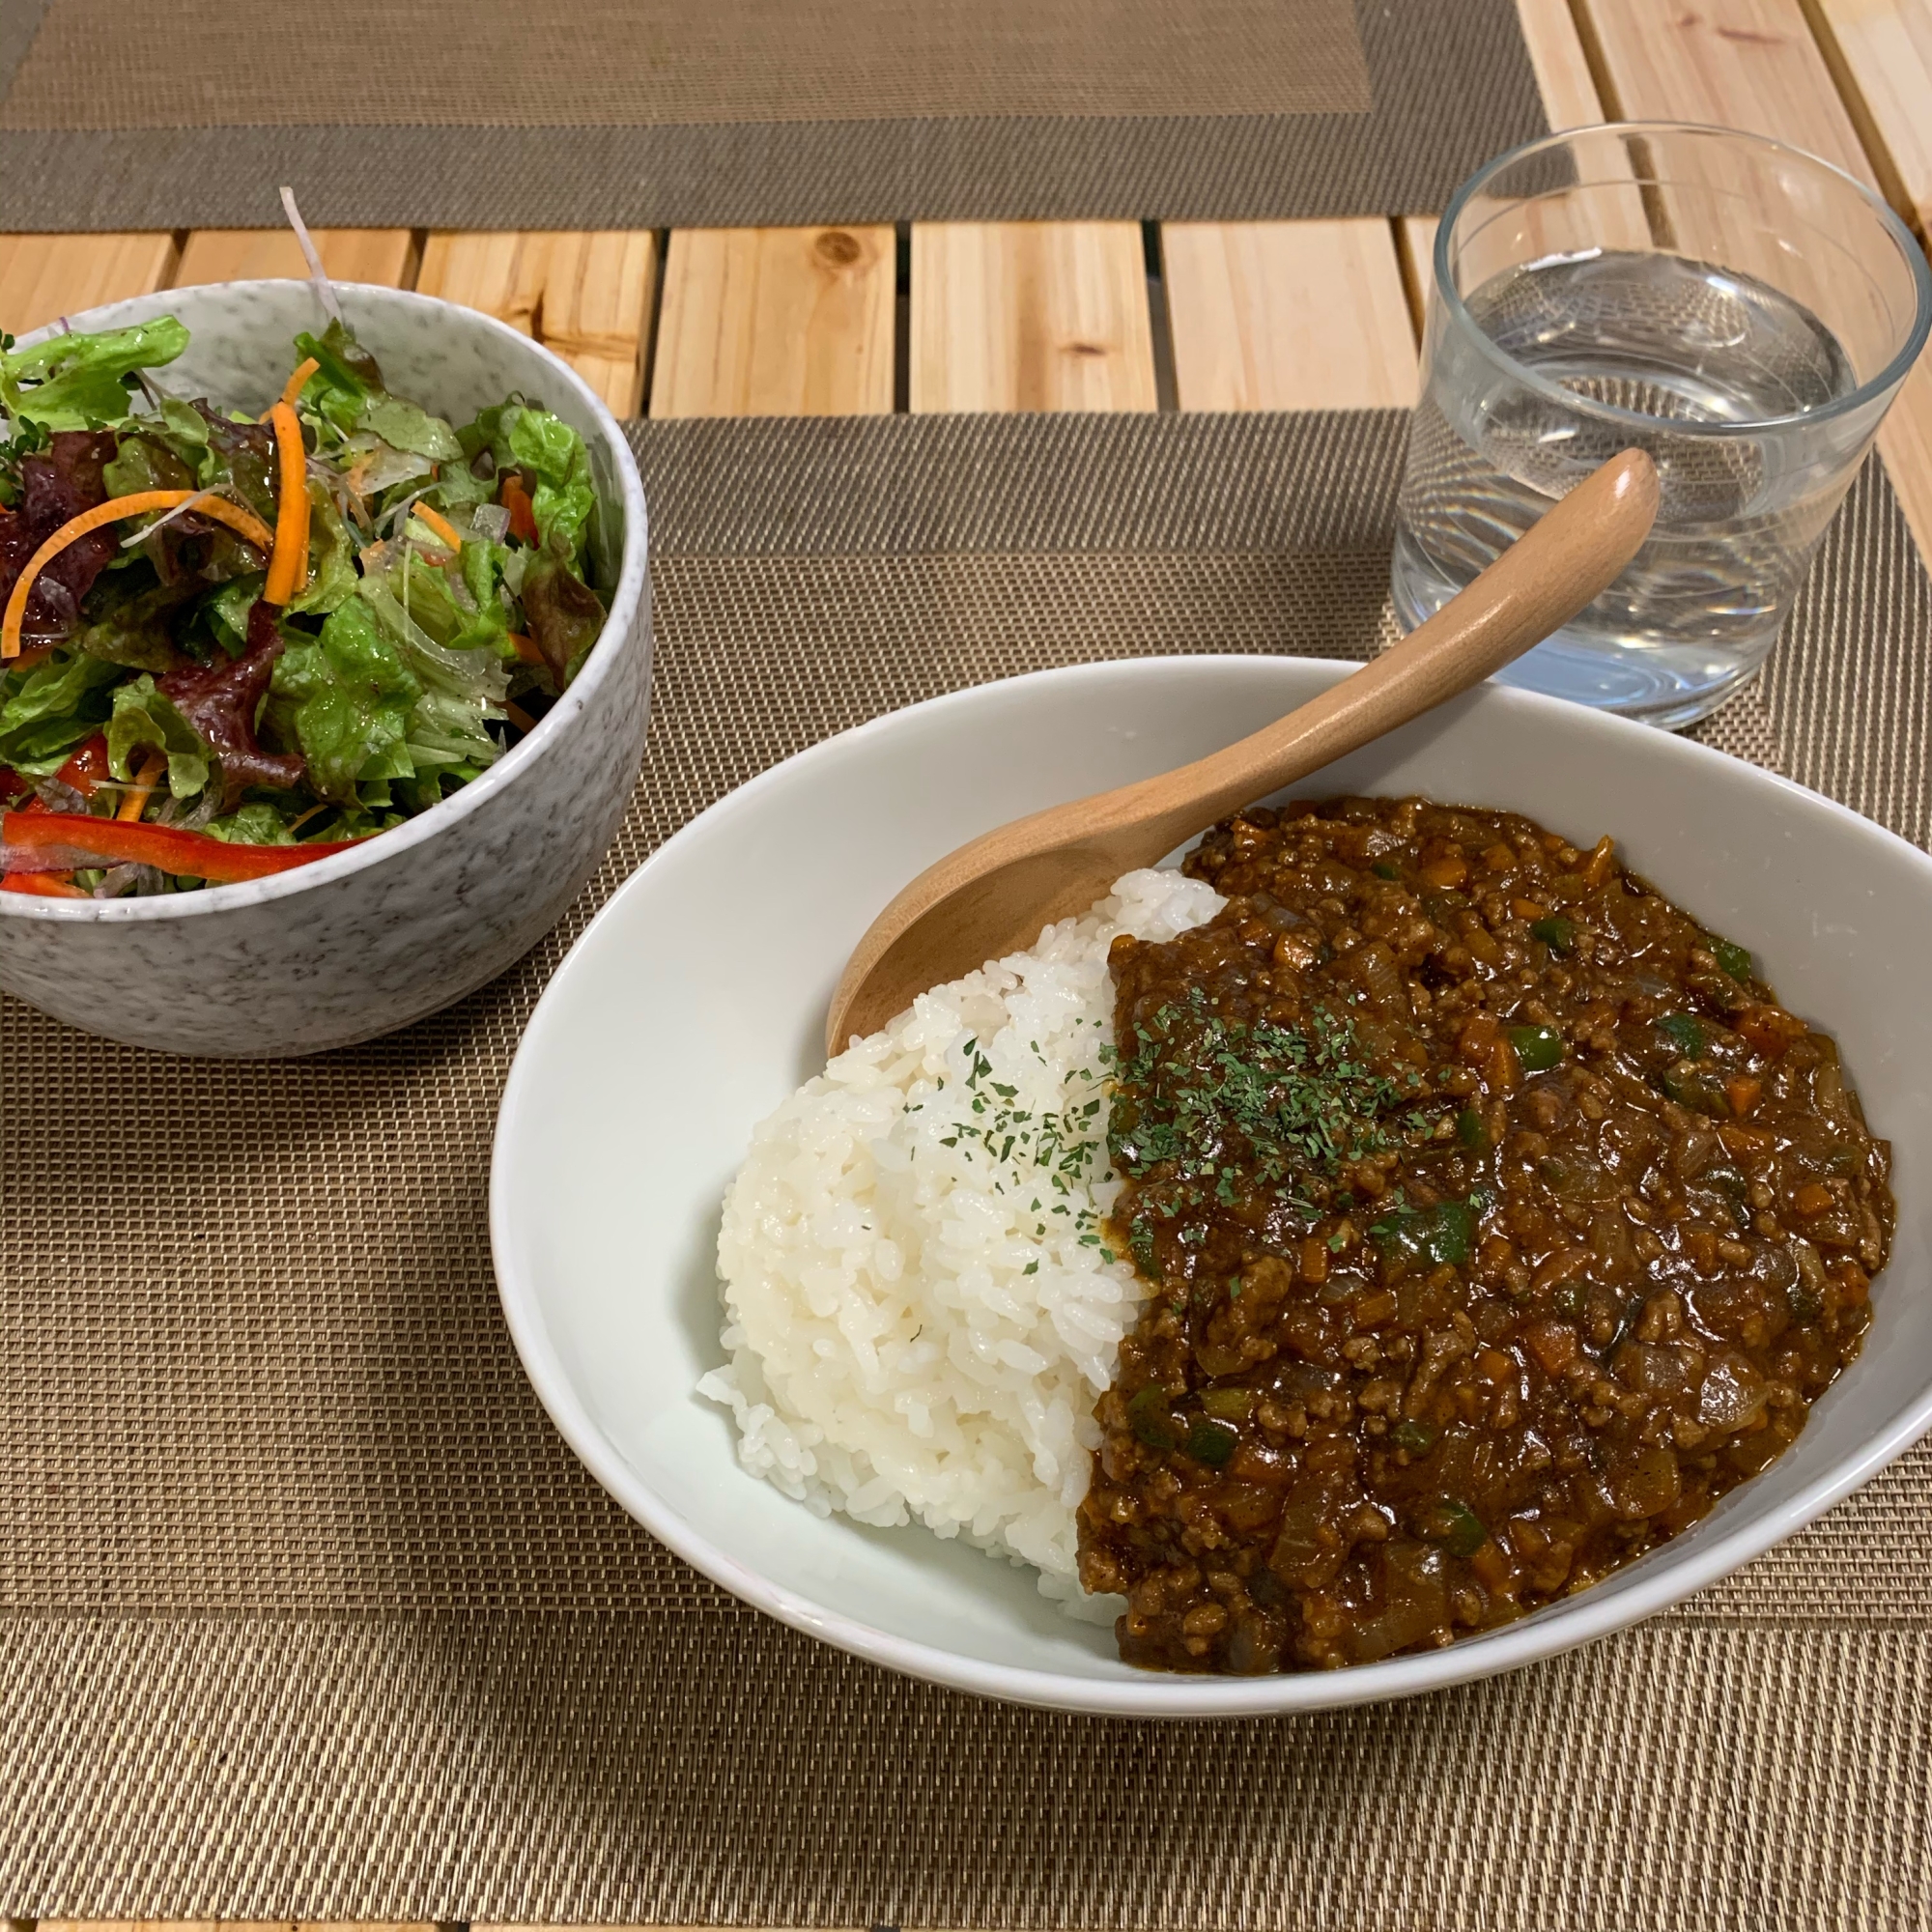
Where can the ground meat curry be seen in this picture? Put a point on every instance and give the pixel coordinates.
(1497, 1220)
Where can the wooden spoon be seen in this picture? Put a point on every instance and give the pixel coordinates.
(993, 895)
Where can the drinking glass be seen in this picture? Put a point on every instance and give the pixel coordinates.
(1741, 310)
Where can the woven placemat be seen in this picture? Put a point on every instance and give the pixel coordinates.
(611, 114)
(306, 1612)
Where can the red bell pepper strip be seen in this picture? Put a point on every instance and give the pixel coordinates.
(42, 885)
(70, 839)
(87, 767)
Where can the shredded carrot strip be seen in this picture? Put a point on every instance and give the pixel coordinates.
(243, 522)
(298, 381)
(515, 499)
(288, 567)
(438, 523)
(294, 387)
(519, 717)
(145, 780)
(28, 659)
(526, 649)
(43, 885)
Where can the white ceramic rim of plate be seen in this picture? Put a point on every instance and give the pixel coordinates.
(1589, 1615)
(583, 688)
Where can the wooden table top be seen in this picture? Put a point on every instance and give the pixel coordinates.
(1105, 314)
(1281, 315)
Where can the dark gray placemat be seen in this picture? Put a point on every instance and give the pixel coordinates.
(555, 113)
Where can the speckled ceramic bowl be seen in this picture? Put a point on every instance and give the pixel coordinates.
(366, 942)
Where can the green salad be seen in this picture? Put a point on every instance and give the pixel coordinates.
(232, 643)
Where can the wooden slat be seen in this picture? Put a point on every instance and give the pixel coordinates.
(1749, 64)
(1030, 316)
(500, 273)
(776, 322)
(1881, 52)
(1562, 69)
(1288, 315)
(586, 296)
(596, 309)
(1258, 317)
(1755, 64)
(379, 255)
(43, 277)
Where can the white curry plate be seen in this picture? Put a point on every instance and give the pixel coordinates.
(695, 1001)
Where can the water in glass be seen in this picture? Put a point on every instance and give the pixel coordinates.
(1574, 357)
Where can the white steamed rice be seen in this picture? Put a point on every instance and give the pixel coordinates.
(918, 1320)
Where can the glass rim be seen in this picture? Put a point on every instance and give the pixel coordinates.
(1901, 237)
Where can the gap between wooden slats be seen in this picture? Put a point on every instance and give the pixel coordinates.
(587, 295)
(1030, 316)
(1756, 65)
(781, 322)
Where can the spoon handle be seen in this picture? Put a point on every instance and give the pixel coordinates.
(1576, 550)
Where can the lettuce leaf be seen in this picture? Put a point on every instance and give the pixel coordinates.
(134, 627)
(460, 611)
(239, 458)
(346, 700)
(482, 565)
(418, 588)
(563, 499)
(146, 463)
(346, 377)
(255, 824)
(462, 690)
(522, 436)
(458, 488)
(186, 430)
(227, 610)
(408, 426)
(54, 689)
(57, 483)
(190, 443)
(332, 559)
(348, 391)
(40, 749)
(76, 382)
(565, 615)
(475, 675)
(187, 551)
(50, 709)
(143, 718)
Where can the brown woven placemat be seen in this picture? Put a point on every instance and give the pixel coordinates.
(613, 114)
(306, 1612)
